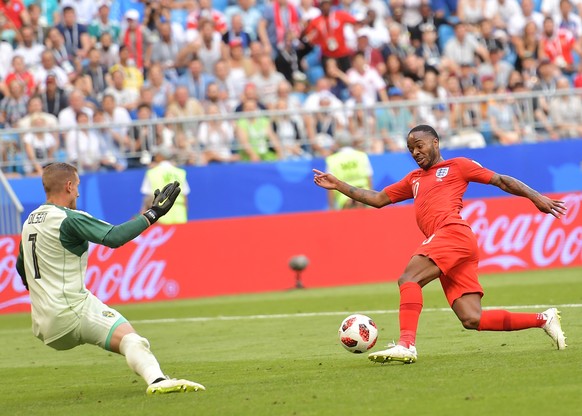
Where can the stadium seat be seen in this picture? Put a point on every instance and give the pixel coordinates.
(220, 5)
(314, 73)
(446, 32)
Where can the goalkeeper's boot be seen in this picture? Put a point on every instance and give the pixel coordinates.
(553, 328)
(172, 385)
(394, 353)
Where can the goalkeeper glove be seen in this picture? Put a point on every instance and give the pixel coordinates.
(163, 201)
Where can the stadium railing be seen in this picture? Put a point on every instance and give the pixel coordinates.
(11, 209)
(461, 122)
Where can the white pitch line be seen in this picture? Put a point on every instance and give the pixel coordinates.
(337, 313)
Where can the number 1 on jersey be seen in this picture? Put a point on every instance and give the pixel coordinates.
(32, 238)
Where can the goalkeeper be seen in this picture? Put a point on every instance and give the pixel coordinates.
(52, 263)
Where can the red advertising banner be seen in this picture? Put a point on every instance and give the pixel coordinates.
(233, 256)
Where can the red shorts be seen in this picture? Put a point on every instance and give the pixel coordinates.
(454, 250)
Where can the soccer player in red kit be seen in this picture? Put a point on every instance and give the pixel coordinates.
(450, 251)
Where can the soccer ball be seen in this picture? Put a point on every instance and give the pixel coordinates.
(358, 333)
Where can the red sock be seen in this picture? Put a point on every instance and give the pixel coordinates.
(410, 308)
(500, 320)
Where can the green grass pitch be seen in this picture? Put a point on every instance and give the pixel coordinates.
(278, 354)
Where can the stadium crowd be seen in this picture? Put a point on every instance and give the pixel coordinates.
(90, 68)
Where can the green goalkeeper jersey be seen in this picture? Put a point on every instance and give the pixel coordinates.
(53, 260)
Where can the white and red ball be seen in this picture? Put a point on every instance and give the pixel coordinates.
(358, 333)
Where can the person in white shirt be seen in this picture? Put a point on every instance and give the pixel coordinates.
(29, 49)
(82, 145)
(68, 115)
(373, 84)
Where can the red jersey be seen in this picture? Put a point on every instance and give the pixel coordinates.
(12, 12)
(560, 46)
(328, 33)
(438, 191)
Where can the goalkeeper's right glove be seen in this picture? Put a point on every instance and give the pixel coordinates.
(163, 201)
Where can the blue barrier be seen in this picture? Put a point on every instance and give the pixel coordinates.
(235, 190)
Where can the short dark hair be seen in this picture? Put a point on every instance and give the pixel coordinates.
(57, 174)
(425, 128)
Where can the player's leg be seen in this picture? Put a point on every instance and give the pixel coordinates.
(420, 271)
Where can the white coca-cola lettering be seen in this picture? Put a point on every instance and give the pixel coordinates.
(503, 239)
(141, 278)
(9, 279)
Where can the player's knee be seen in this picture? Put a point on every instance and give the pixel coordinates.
(470, 322)
(133, 340)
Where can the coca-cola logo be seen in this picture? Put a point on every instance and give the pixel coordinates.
(505, 240)
(141, 276)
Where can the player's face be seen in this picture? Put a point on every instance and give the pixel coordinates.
(424, 149)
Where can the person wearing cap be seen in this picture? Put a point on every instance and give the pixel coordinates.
(327, 32)
(348, 164)
(103, 23)
(160, 172)
(135, 38)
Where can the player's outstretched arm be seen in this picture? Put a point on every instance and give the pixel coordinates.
(366, 196)
(516, 187)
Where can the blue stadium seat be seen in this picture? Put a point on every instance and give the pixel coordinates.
(446, 32)
(220, 5)
(314, 73)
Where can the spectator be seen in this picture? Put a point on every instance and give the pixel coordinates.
(557, 45)
(145, 138)
(327, 32)
(503, 12)
(39, 146)
(337, 78)
(20, 74)
(567, 19)
(240, 67)
(360, 115)
(119, 119)
(136, 39)
(397, 45)
(428, 18)
(204, 11)
(196, 80)
(38, 23)
(161, 88)
(97, 72)
(112, 158)
(373, 85)
(393, 76)
(348, 164)
(213, 97)
(77, 40)
(307, 11)
(566, 111)
(127, 98)
(77, 104)
(29, 48)
(393, 124)
(546, 84)
(528, 14)
(56, 45)
(429, 50)
(373, 56)
(208, 46)
(503, 120)
(85, 10)
(237, 31)
(13, 106)
(288, 131)
(15, 13)
(216, 137)
(165, 51)
(250, 16)
(250, 92)
(109, 50)
(255, 135)
(266, 80)
(488, 37)
(462, 48)
(103, 23)
(228, 90)
(132, 76)
(6, 51)
(54, 99)
(527, 45)
(184, 106)
(82, 145)
(327, 124)
(279, 17)
(34, 109)
(497, 67)
(288, 60)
